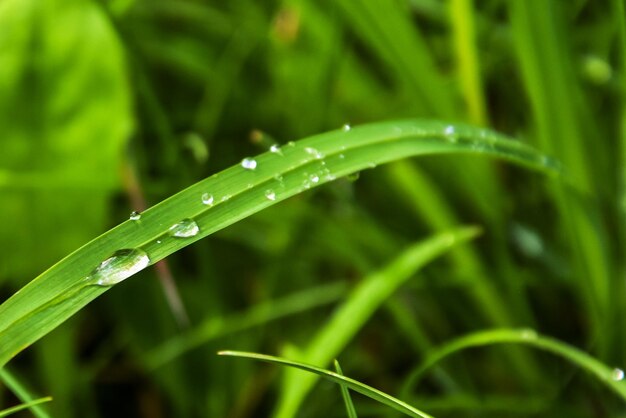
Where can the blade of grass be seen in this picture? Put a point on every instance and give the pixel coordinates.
(236, 193)
(21, 407)
(462, 19)
(564, 129)
(364, 300)
(356, 386)
(260, 314)
(22, 393)
(345, 394)
(613, 378)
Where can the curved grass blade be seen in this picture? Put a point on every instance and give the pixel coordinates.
(356, 386)
(227, 197)
(613, 378)
(27, 405)
(345, 394)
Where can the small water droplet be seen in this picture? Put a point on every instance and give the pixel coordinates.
(248, 163)
(226, 197)
(207, 199)
(450, 133)
(617, 374)
(314, 178)
(276, 149)
(341, 156)
(278, 177)
(158, 241)
(346, 127)
(315, 153)
(270, 194)
(135, 216)
(291, 144)
(371, 164)
(119, 266)
(353, 176)
(529, 334)
(184, 229)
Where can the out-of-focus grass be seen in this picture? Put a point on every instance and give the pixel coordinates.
(174, 88)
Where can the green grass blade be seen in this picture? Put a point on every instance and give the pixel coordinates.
(21, 407)
(260, 314)
(230, 196)
(350, 317)
(613, 378)
(356, 386)
(345, 394)
(22, 393)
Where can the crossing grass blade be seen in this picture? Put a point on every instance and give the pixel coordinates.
(21, 407)
(358, 308)
(356, 386)
(345, 394)
(613, 378)
(237, 193)
(23, 395)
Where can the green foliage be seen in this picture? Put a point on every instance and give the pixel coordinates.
(110, 106)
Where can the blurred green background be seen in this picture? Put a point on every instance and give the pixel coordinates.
(112, 106)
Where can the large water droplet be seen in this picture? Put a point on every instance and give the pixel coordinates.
(207, 199)
(118, 267)
(184, 229)
(135, 216)
(270, 194)
(617, 374)
(248, 163)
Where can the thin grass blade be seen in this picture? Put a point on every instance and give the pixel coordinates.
(345, 394)
(21, 407)
(356, 386)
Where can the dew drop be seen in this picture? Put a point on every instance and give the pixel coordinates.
(529, 334)
(248, 163)
(276, 149)
(353, 176)
(315, 153)
(207, 199)
(270, 194)
(226, 197)
(291, 144)
(135, 216)
(450, 133)
(184, 229)
(314, 178)
(341, 156)
(119, 266)
(346, 127)
(617, 374)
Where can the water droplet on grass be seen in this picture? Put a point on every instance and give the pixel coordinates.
(353, 176)
(346, 127)
(248, 163)
(276, 149)
(529, 334)
(135, 216)
(184, 229)
(207, 199)
(118, 267)
(315, 153)
(314, 178)
(450, 133)
(617, 374)
(270, 194)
